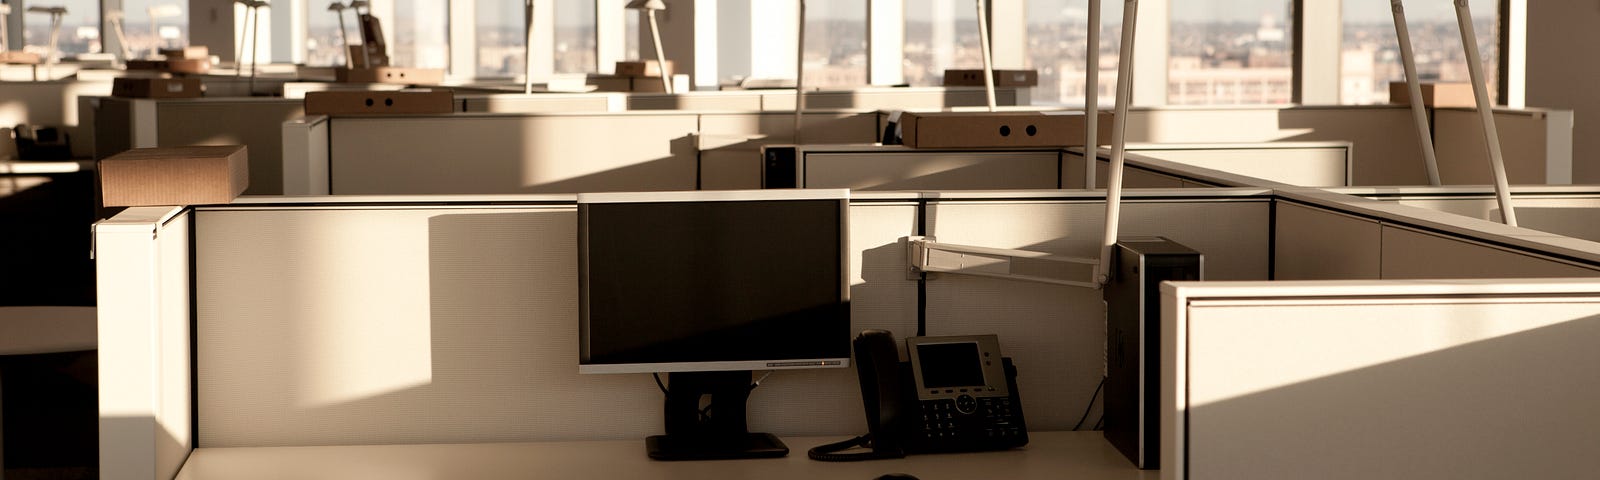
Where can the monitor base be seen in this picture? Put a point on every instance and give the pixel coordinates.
(749, 445)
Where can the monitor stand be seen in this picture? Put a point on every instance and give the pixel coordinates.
(717, 433)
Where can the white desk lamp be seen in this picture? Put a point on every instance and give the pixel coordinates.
(355, 7)
(799, 70)
(983, 44)
(344, 37)
(157, 12)
(650, 7)
(1119, 129)
(253, 17)
(116, 18)
(1469, 39)
(55, 31)
(1091, 98)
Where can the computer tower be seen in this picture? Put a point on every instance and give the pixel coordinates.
(1133, 354)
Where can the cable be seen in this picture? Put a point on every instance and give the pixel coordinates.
(1090, 408)
(1101, 423)
(922, 304)
(660, 385)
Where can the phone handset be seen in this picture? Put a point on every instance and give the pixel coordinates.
(883, 392)
(957, 394)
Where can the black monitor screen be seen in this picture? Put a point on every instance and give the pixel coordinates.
(713, 281)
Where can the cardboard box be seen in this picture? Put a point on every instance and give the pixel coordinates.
(642, 68)
(156, 87)
(189, 52)
(174, 176)
(18, 56)
(998, 129)
(1435, 94)
(380, 103)
(1002, 78)
(178, 65)
(402, 75)
(618, 83)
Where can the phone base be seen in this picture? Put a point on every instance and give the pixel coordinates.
(750, 445)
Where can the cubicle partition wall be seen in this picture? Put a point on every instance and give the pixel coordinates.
(1467, 379)
(375, 320)
(51, 104)
(896, 167)
(1537, 142)
(257, 123)
(381, 320)
(1571, 210)
(481, 153)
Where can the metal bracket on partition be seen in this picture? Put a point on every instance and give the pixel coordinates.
(924, 255)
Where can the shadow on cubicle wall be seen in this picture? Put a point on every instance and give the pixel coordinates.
(1492, 398)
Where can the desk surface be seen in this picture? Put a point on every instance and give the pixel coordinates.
(1076, 455)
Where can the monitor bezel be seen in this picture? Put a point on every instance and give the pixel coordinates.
(842, 196)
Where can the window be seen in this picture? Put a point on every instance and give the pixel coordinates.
(420, 28)
(940, 34)
(80, 28)
(168, 30)
(575, 36)
(836, 43)
(500, 38)
(1371, 53)
(1229, 52)
(1057, 39)
(325, 46)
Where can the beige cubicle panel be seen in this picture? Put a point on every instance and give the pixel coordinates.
(1056, 334)
(1464, 379)
(254, 123)
(895, 98)
(1535, 143)
(729, 101)
(1412, 253)
(1569, 211)
(730, 150)
(1383, 138)
(899, 168)
(50, 104)
(544, 102)
(1306, 164)
(1317, 244)
(504, 153)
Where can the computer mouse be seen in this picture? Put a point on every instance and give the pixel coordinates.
(897, 476)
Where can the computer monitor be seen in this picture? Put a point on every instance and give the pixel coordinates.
(708, 286)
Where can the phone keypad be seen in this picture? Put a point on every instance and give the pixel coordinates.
(969, 417)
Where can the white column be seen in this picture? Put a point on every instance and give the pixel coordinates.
(772, 39)
(1008, 33)
(1151, 52)
(610, 24)
(463, 34)
(288, 30)
(705, 46)
(943, 42)
(886, 39)
(1514, 60)
(1318, 43)
(544, 38)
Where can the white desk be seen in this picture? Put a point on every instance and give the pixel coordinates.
(1076, 455)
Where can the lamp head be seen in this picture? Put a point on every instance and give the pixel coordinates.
(336, 7)
(251, 3)
(646, 5)
(359, 4)
(49, 10)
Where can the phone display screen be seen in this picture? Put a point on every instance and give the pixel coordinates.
(950, 364)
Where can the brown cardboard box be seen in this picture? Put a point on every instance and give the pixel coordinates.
(189, 52)
(618, 83)
(997, 129)
(156, 87)
(174, 176)
(380, 103)
(177, 65)
(642, 68)
(408, 76)
(1002, 78)
(18, 56)
(1435, 94)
